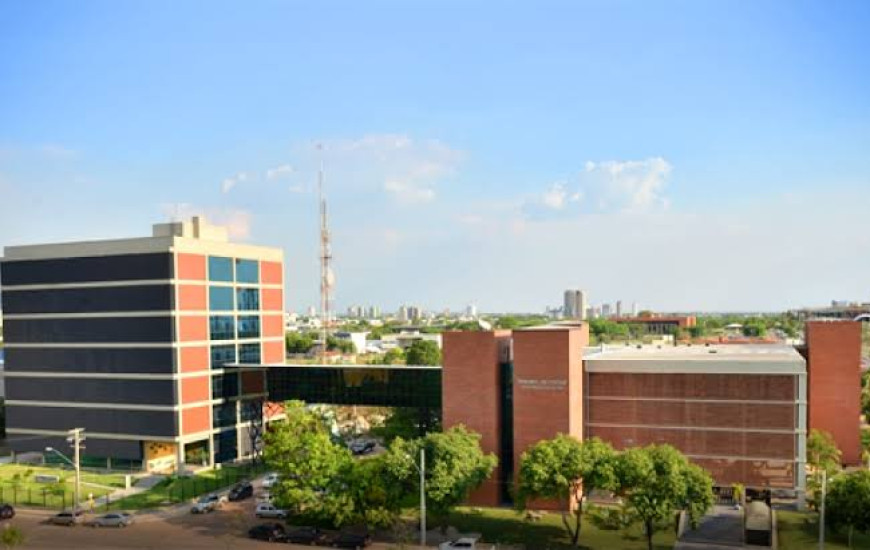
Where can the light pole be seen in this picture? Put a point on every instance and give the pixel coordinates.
(422, 469)
(76, 439)
(822, 510)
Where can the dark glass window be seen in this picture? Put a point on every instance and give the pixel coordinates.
(222, 327)
(220, 298)
(225, 446)
(224, 415)
(221, 355)
(248, 298)
(220, 269)
(249, 353)
(251, 410)
(249, 326)
(225, 386)
(247, 271)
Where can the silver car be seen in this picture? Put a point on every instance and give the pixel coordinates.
(66, 518)
(114, 519)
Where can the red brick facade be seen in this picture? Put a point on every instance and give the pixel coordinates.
(834, 382)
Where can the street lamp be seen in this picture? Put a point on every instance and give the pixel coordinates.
(76, 439)
(422, 469)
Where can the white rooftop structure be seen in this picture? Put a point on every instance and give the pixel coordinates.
(736, 358)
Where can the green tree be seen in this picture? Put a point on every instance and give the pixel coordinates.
(297, 342)
(11, 537)
(848, 503)
(562, 469)
(344, 346)
(393, 356)
(656, 481)
(313, 469)
(455, 466)
(822, 452)
(423, 352)
(409, 423)
(754, 328)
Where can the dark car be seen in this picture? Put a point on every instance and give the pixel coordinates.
(350, 540)
(241, 491)
(305, 535)
(7, 511)
(271, 532)
(362, 446)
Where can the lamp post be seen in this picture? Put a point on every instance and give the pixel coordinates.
(422, 469)
(822, 510)
(76, 439)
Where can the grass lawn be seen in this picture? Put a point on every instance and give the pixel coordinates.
(18, 485)
(800, 531)
(507, 526)
(181, 489)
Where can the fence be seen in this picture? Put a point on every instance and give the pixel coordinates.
(172, 491)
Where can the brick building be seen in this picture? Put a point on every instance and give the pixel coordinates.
(128, 339)
(741, 411)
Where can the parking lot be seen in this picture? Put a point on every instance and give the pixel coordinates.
(167, 528)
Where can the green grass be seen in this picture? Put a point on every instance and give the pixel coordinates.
(182, 489)
(18, 485)
(800, 531)
(508, 527)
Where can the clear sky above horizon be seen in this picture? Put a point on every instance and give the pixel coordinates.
(685, 155)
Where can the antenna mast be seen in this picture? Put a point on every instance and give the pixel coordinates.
(327, 279)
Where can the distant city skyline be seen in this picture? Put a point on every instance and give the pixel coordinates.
(691, 157)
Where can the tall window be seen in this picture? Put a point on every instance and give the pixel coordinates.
(248, 298)
(249, 353)
(222, 327)
(221, 355)
(247, 271)
(220, 298)
(220, 269)
(249, 326)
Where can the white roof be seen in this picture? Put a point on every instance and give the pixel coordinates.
(737, 358)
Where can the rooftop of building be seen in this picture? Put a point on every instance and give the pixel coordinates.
(736, 358)
(181, 236)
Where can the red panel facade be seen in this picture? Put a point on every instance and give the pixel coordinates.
(271, 273)
(273, 352)
(471, 390)
(192, 298)
(195, 420)
(272, 299)
(193, 358)
(192, 328)
(190, 266)
(273, 326)
(834, 382)
(195, 389)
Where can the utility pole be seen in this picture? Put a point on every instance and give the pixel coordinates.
(422, 496)
(76, 438)
(822, 510)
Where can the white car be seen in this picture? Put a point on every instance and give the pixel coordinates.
(207, 504)
(268, 510)
(465, 543)
(114, 519)
(270, 480)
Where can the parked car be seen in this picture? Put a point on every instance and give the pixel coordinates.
(466, 543)
(208, 503)
(241, 491)
(362, 446)
(114, 519)
(268, 510)
(7, 511)
(305, 535)
(67, 518)
(270, 480)
(271, 532)
(350, 540)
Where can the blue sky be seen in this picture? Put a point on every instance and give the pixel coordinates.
(685, 155)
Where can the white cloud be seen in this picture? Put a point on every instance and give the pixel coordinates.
(407, 169)
(228, 183)
(237, 221)
(279, 172)
(605, 187)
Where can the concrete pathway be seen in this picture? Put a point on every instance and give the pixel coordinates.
(722, 528)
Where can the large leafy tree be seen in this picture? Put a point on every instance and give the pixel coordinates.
(423, 352)
(657, 481)
(848, 503)
(823, 456)
(561, 469)
(377, 486)
(313, 469)
(455, 466)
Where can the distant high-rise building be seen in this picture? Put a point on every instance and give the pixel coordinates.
(606, 310)
(373, 312)
(635, 309)
(471, 311)
(402, 314)
(415, 313)
(311, 311)
(619, 308)
(575, 305)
